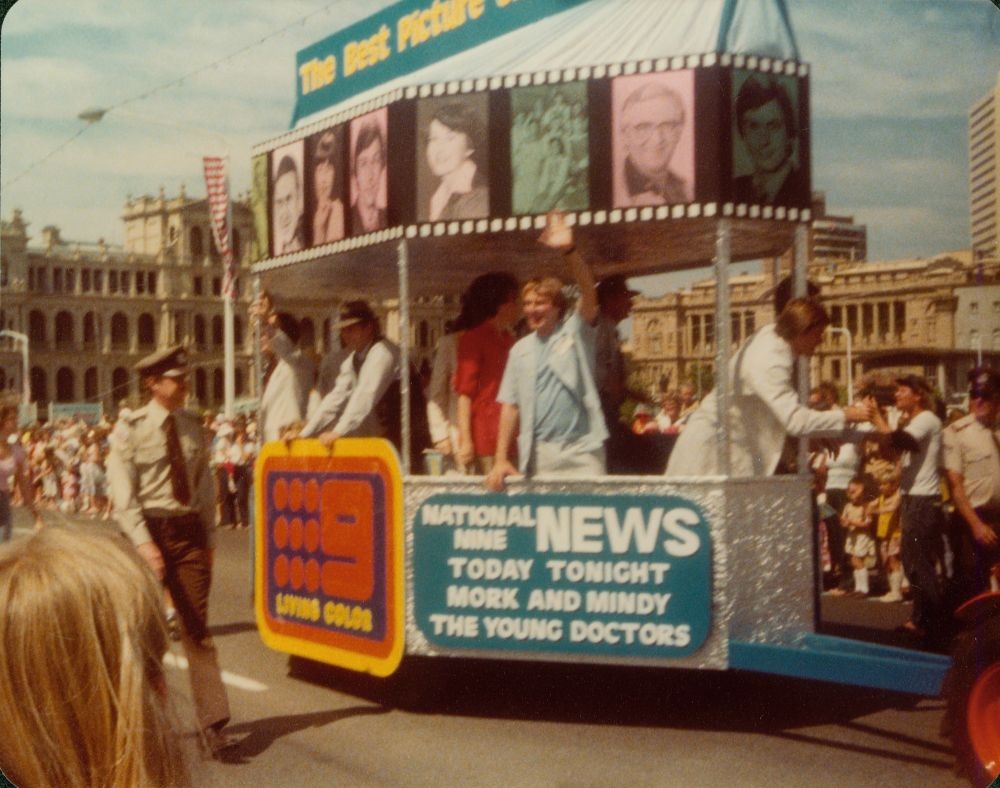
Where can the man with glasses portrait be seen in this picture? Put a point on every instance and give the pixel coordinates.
(652, 119)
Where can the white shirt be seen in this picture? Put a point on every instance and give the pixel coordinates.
(349, 407)
(286, 395)
(920, 468)
(764, 407)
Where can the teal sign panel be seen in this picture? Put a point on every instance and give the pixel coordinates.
(401, 39)
(601, 575)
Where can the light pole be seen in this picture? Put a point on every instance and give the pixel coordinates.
(25, 367)
(850, 361)
(94, 115)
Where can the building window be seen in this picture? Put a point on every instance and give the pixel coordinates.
(199, 331)
(90, 329)
(90, 384)
(899, 317)
(216, 285)
(126, 282)
(736, 327)
(751, 322)
(217, 331)
(119, 383)
(200, 385)
(197, 246)
(239, 383)
(98, 281)
(218, 386)
(64, 329)
(140, 283)
(178, 328)
(695, 332)
(237, 331)
(151, 282)
(65, 385)
(119, 331)
(85, 280)
(31, 278)
(198, 286)
(36, 327)
(147, 330)
(57, 280)
(39, 385)
(112, 281)
(70, 280)
(835, 369)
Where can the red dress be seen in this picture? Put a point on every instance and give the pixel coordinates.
(482, 356)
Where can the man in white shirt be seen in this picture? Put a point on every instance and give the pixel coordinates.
(286, 392)
(365, 400)
(920, 513)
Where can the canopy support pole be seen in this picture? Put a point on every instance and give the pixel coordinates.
(723, 239)
(800, 290)
(404, 350)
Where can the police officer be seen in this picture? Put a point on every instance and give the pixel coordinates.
(164, 500)
(972, 462)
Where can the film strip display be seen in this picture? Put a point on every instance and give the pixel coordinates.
(652, 140)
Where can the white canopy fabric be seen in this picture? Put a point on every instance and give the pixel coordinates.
(601, 32)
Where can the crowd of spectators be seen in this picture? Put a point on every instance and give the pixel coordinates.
(66, 465)
(909, 509)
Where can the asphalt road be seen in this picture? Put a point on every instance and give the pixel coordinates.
(490, 723)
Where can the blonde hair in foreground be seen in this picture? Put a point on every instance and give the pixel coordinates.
(82, 639)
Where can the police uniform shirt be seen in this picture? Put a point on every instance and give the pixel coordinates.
(139, 471)
(970, 449)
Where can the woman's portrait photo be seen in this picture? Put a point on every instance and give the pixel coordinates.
(652, 139)
(327, 164)
(369, 183)
(288, 227)
(549, 148)
(452, 158)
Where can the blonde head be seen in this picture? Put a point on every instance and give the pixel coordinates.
(546, 287)
(82, 639)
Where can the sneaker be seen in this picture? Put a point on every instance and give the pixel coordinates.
(892, 596)
(217, 741)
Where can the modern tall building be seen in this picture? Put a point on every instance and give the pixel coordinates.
(833, 237)
(984, 183)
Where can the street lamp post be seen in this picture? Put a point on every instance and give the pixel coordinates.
(25, 367)
(850, 360)
(95, 115)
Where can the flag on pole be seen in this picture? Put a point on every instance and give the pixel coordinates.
(217, 185)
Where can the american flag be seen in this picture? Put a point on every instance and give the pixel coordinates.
(217, 184)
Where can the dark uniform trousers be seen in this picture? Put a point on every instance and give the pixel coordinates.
(188, 575)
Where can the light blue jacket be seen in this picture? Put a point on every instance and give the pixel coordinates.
(572, 360)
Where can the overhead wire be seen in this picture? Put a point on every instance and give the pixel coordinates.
(175, 82)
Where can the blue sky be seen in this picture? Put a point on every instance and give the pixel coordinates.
(892, 82)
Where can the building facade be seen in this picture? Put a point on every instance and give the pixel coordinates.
(903, 316)
(90, 311)
(984, 183)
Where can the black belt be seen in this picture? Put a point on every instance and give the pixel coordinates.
(174, 520)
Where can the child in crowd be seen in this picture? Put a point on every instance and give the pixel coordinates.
(70, 484)
(888, 536)
(859, 544)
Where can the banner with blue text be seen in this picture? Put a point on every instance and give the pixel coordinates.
(601, 575)
(399, 40)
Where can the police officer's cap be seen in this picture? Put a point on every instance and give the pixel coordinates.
(171, 362)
